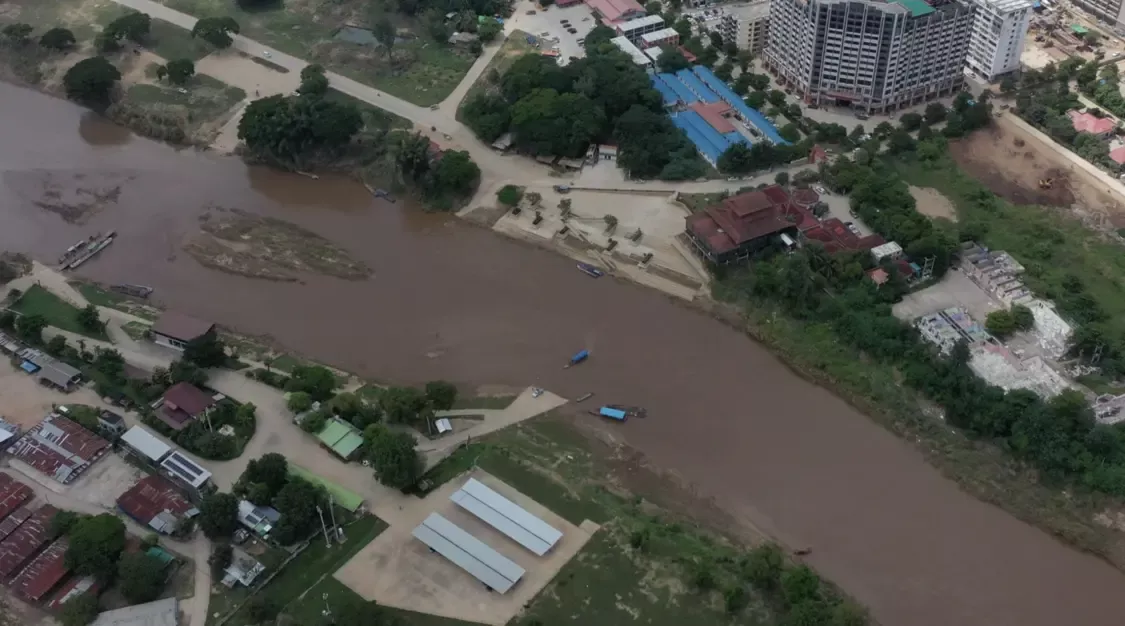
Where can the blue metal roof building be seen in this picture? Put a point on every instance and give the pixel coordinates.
(682, 92)
(696, 86)
(749, 114)
(706, 139)
(666, 92)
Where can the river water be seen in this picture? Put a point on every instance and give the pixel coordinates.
(451, 301)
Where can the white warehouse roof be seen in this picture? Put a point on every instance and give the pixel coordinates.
(640, 22)
(146, 443)
(628, 48)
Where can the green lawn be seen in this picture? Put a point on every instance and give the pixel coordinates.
(58, 312)
(98, 296)
(136, 330)
(484, 402)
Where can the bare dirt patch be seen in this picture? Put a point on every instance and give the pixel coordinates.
(932, 203)
(251, 245)
(73, 196)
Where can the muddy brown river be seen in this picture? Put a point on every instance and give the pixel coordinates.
(451, 301)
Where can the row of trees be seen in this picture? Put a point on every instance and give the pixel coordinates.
(604, 97)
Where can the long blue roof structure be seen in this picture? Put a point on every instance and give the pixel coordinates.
(748, 113)
(666, 92)
(706, 139)
(696, 86)
(682, 92)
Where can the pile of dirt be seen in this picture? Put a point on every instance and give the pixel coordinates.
(1011, 170)
(251, 245)
(932, 203)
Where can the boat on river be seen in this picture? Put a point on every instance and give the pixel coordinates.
(591, 270)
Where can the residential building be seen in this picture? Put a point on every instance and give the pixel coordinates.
(164, 612)
(1108, 11)
(243, 569)
(58, 448)
(259, 519)
(746, 223)
(23, 542)
(633, 51)
(999, 31)
(1102, 127)
(145, 445)
(871, 55)
(157, 504)
(182, 404)
(662, 37)
(176, 330)
(13, 495)
(49, 370)
(746, 25)
(613, 11)
(111, 424)
(185, 471)
(634, 28)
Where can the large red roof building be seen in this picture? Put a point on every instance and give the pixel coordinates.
(741, 225)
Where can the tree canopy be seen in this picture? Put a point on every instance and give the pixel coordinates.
(133, 26)
(177, 71)
(140, 576)
(393, 456)
(297, 502)
(263, 478)
(91, 81)
(95, 544)
(441, 394)
(80, 610)
(58, 39)
(207, 350)
(315, 380)
(218, 515)
(216, 31)
(292, 128)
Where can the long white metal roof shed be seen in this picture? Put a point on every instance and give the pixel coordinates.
(146, 443)
(469, 553)
(507, 517)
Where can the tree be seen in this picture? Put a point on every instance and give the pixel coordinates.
(455, 173)
(63, 521)
(654, 7)
(756, 99)
(402, 405)
(910, 121)
(935, 112)
(299, 402)
(488, 114)
(263, 609)
(848, 613)
(297, 502)
(314, 422)
(140, 576)
(184, 371)
(80, 610)
(207, 350)
(488, 30)
(30, 327)
(672, 60)
(271, 471)
(441, 394)
(1022, 317)
(110, 363)
(314, 380)
(762, 567)
(221, 554)
(509, 195)
(89, 320)
(289, 129)
(393, 456)
(715, 38)
(91, 81)
(900, 142)
(683, 28)
(1000, 323)
(177, 71)
(799, 584)
(776, 97)
(1008, 85)
(56, 346)
(782, 178)
(314, 82)
(384, 32)
(133, 26)
(58, 39)
(216, 31)
(95, 544)
(18, 33)
(218, 515)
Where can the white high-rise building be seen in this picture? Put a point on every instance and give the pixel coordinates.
(746, 24)
(999, 32)
(874, 56)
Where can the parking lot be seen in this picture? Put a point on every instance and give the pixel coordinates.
(552, 24)
(399, 571)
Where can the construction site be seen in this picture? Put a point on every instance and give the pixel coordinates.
(954, 310)
(1058, 33)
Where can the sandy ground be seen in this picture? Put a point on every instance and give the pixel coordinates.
(931, 202)
(24, 401)
(398, 570)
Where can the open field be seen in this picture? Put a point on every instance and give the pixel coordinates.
(58, 312)
(98, 296)
(419, 70)
(931, 203)
(512, 48)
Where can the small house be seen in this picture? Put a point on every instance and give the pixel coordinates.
(176, 330)
(182, 404)
(260, 519)
(111, 424)
(243, 569)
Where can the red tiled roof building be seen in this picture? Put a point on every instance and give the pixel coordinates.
(741, 225)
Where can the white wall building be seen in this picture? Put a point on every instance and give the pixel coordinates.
(998, 36)
(747, 25)
(633, 29)
(633, 51)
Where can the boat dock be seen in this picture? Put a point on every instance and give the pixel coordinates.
(83, 251)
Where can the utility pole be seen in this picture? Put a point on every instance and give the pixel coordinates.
(327, 541)
(337, 532)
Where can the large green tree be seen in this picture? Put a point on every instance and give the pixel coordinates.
(455, 174)
(293, 129)
(218, 515)
(393, 456)
(79, 610)
(547, 122)
(315, 380)
(91, 81)
(297, 502)
(263, 478)
(58, 39)
(177, 71)
(207, 350)
(140, 577)
(134, 26)
(95, 544)
(216, 31)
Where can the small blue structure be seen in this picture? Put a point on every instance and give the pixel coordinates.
(29, 367)
(613, 414)
(578, 358)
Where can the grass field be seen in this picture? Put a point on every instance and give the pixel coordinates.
(425, 72)
(484, 402)
(514, 46)
(98, 296)
(205, 101)
(58, 312)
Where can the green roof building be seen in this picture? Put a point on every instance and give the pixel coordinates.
(341, 438)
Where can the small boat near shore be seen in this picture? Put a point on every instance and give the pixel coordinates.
(96, 245)
(591, 270)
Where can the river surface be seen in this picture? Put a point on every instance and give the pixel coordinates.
(451, 301)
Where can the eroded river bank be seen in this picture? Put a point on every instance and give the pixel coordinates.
(445, 300)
